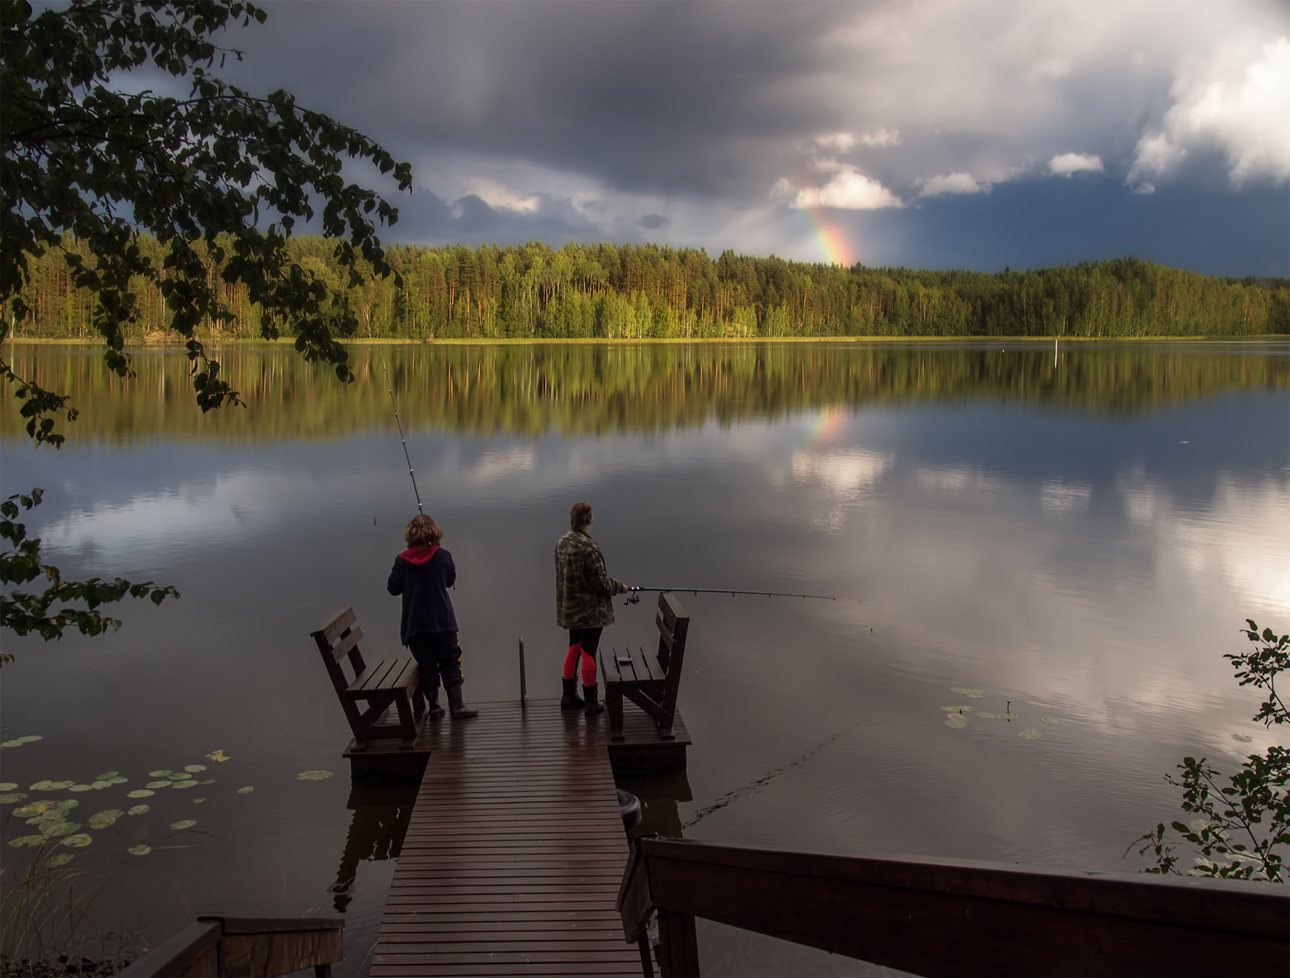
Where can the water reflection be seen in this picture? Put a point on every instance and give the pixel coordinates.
(376, 831)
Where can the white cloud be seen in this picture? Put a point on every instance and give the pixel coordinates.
(1068, 163)
(1237, 102)
(496, 195)
(881, 137)
(840, 141)
(954, 183)
(847, 189)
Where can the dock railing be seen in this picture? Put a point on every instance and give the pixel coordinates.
(219, 945)
(956, 917)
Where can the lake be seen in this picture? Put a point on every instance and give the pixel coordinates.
(1077, 534)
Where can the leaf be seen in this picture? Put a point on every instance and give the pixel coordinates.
(160, 774)
(9, 797)
(198, 801)
(179, 776)
(28, 840)
(1051, 721)
(139, 809)
(975, 694)
(118, 780)
(107, 776)
(42, 786)
(245, 791)
(100, 785)
(184, 784)
(11, 743)
(159, 784)
(59, 859)
(8, 785)
(140, 793)
(314, 775)
(1030, 733)
(218, 755)
(987, 716)
(60, 785)
(956, 709)
(956, 721)
(102, 820)
(1242, 738)
(81, 787)
(195, 768)
(185, 823)
(61, 828)
(139, 850)
(77, 841)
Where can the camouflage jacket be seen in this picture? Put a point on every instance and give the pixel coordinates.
(583, 589)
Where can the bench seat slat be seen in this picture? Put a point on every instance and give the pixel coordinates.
(386, 675)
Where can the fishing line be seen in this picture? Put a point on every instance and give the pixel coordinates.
(405, 443)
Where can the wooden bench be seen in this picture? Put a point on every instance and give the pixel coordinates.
(390, 682)
(652, 687)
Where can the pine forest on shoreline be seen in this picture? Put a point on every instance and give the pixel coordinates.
(657, 292)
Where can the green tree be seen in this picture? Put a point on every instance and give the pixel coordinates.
(1242, 828)
(218, 179)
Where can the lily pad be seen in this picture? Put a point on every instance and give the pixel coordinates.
(139, 809)
(185, 823)
(81, 787)
(160, 774)
(139, 850)
(1051, 721)
(67, 803)
(102, 820)
(207, 781)
(8, 785)
(28, 840)
(975, 694)
(314, 775)
(78, 841)
(9, 797)
(1030, 733)
(198, 801)
(987, 716)
(59, 785)
(42, 786)
(118, 780)
(184, 784)
(61, 828)
(218, 755)
(107, 776)
(245, 791)
(100, 785)
(159, 784)
(140, 793)
(29, 739)
(1242, 738)
(956, 721)
(194, 768)
(179, 776)
(59, 859)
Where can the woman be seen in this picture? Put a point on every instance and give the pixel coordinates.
(584, 605)
(422, 574)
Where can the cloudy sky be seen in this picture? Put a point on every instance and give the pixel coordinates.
(959, 134)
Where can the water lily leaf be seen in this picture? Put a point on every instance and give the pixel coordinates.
(48, 823)
(218, 755)
(1051, 721)
(139, 809)
(179, 776)
(185, 823)
(59, 859)
(28, 840)
(30, 739)
(77, 841)
(11, 743)
(159, 784)
(8, 785)
(245, 791)
(62, 828)
(956, 721)
(194, 768)
(139, 850)
(1030, 733)
(160, 774)
(1242, 738)
(957, 709)
(198, 801)
(987, 716)
(975, 694)
(67, 803)
(9, 797)
(100, 785)
(81, 787)
(102, 820)
(207, 781)
(314, 775)
(107, 776)
(42, 786)
(118, 780)
(184, 784)
(60, 785)
(139, 793)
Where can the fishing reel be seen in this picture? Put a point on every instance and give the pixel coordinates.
(633, 597)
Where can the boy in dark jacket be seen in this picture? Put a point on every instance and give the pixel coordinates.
(422, 574)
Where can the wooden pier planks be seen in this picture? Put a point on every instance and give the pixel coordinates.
(514, 852)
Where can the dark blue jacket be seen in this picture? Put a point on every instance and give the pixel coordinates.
(424, 581)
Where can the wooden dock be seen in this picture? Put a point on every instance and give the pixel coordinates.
(515, 850)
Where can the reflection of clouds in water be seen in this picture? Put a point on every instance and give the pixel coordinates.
(1243, 535)
(842, 476)
(954, 479)
(1063, 497)
(502, 465)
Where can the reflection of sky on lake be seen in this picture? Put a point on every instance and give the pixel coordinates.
(1088, 570)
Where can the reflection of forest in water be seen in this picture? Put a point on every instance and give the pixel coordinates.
(587, 388)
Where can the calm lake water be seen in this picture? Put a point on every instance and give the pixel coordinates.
(1080, 534)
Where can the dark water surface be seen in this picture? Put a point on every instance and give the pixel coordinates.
(1080, 537)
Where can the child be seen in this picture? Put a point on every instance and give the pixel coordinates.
(422, 574)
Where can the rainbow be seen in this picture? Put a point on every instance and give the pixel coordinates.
(832, 241)
(826, 426)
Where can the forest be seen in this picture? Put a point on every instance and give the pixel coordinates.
(648, 291)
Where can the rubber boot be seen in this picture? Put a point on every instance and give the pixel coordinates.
(456, 706)
(592, 707)
(432, 704)
(571, 700)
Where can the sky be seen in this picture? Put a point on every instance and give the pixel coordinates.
(977, 135)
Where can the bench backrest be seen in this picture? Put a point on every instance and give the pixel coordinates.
(338, 639)
(673, 628)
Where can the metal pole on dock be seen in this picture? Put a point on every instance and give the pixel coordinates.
(523, 690)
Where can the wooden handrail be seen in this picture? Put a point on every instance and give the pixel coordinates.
(218, 944)
(957, 917)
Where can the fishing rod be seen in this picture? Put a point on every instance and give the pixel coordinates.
(635, 598)
(404, 440)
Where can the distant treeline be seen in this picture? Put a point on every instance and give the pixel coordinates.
(640, 292)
